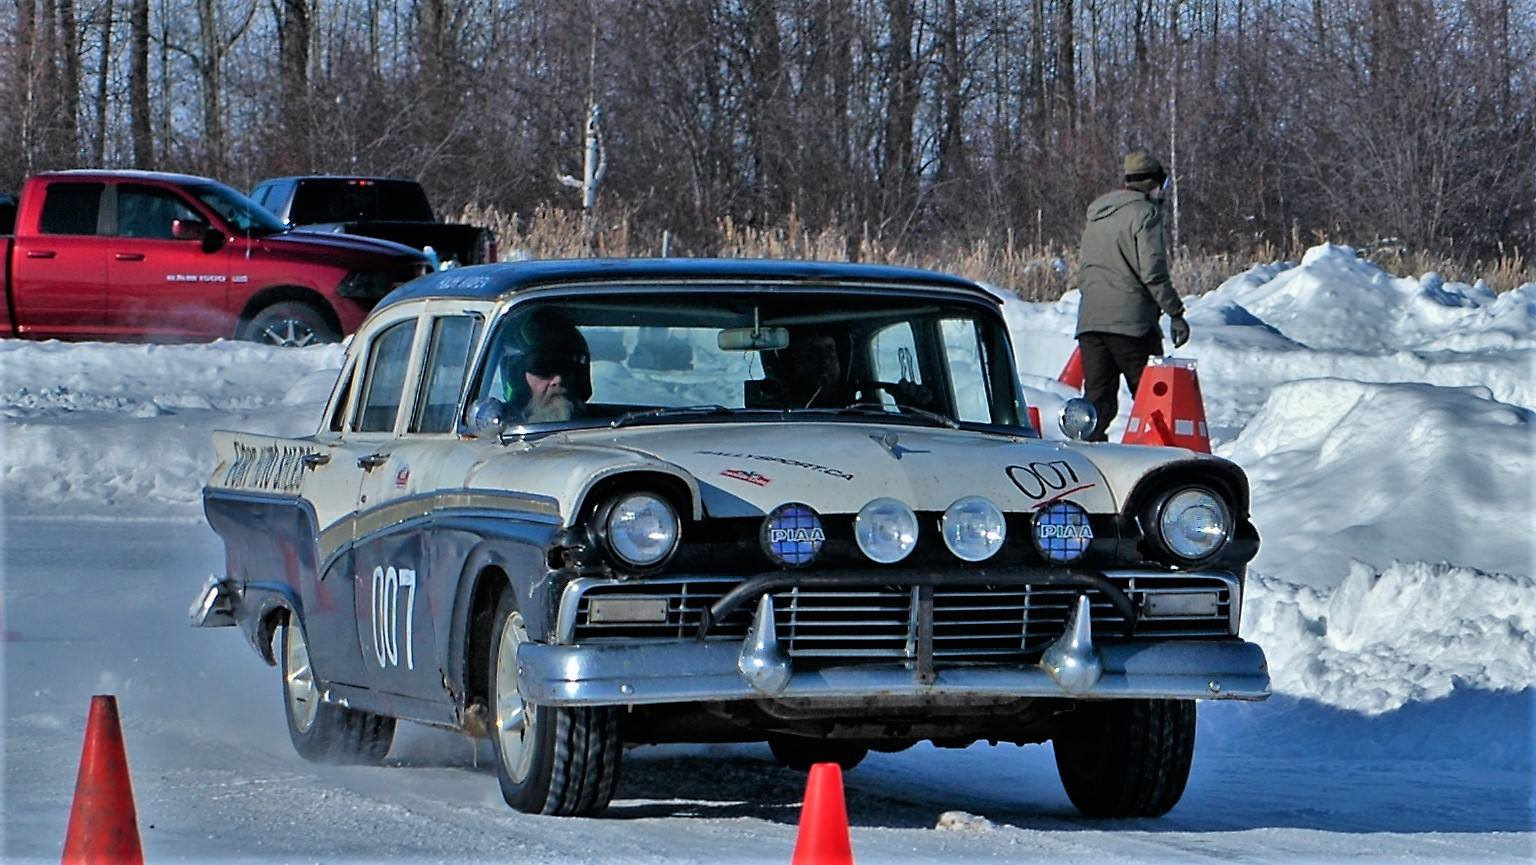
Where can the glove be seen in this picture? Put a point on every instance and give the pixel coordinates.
(1179, 328)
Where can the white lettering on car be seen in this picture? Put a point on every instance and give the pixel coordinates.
(384, 609)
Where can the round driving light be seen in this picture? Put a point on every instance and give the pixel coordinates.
(973, 528)
(1193, 523)
(1062, 532)
(886, 530)
(641, 529)
(792, 534)
(1078, 418)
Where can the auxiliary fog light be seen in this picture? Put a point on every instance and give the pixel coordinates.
(974, 528)
(1061, 532)
(792, 535)
(1193, 523)
(886, 530)
(641, 529)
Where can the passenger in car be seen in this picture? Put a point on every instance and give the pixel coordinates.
(808, 373)
(546, 371)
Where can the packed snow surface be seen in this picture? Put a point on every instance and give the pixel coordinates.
(1388, 427)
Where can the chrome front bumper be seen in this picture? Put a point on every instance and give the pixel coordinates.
(757, 668)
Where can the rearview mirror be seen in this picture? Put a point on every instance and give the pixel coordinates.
(753, 338)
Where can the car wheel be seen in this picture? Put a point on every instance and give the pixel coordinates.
(800, 752)
(1126, 758)
(549, 759)
(290, 324)
(325, 732)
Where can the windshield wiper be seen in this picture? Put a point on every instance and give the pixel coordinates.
(869, 408)
(679, 411)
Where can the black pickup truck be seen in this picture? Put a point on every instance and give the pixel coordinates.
(384, 207)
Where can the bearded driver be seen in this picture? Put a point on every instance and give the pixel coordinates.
(546, 372)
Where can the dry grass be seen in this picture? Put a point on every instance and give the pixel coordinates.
(1035, 273)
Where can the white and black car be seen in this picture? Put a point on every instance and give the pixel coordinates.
(722, 544)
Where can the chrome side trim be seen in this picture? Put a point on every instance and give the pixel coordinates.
(355, 527)
(687, 671)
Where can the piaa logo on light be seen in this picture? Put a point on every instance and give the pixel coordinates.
(779, 536)
(1070, 532)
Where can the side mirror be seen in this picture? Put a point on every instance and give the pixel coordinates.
(189, 229)
(487, 416)
(1078, 418)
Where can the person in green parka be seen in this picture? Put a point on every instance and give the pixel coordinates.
(1125, 286)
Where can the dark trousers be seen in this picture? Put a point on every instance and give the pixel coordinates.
(1107, 357)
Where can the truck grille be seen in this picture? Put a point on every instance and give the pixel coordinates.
(880, 623)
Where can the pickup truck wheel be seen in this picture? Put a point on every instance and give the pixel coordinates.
(1126, 758)
(800, 752)
(549, 759)
(291, 324)
(325, 732)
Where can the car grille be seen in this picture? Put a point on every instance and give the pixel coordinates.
(970, 623)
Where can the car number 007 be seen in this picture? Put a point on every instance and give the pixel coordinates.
(385, 609)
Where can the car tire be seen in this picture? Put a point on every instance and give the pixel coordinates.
(325, 732)
(801, 752)
(1126, 758)
(549, 759)
(290, 324)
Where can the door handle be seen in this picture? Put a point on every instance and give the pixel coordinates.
(40, 253)
(130, 256)
(312, 461)
(372, 461)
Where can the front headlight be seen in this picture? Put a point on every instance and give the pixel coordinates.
(886, 530)
(1193, 523)
(640, 529)
(974, 529)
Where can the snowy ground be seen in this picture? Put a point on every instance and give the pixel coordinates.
(1387, 425)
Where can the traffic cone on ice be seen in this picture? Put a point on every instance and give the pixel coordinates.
(1072, 373)
(102, 824)
(823, 837)
(1168, 409)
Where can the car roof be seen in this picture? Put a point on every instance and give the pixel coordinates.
(494, 281)
(131, 174)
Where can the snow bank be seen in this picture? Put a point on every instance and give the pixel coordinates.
(1336, 301)
(96, 428)
(1347, 470)
(1411, 632)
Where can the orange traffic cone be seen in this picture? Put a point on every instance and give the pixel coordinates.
(102, 824)
(1072, 373)
(1168, 409)
(823, 836)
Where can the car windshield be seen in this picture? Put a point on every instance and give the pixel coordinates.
(648, 357)
(244, 215)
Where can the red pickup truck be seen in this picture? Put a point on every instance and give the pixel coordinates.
(138, 255)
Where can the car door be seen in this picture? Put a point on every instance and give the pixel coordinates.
(59, 271)
(158, 284)
(329, 487)
(394, 629)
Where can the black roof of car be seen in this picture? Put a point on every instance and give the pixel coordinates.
(491, 281)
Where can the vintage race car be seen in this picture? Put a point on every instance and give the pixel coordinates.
(574, 505)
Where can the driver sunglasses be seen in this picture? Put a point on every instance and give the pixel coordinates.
(546, 365)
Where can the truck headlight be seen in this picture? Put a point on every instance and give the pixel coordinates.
(640, 530)
(1192, 523)
(886, 530)
(974, 528)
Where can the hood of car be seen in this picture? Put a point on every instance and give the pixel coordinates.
(299, 242)
(749, 469)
